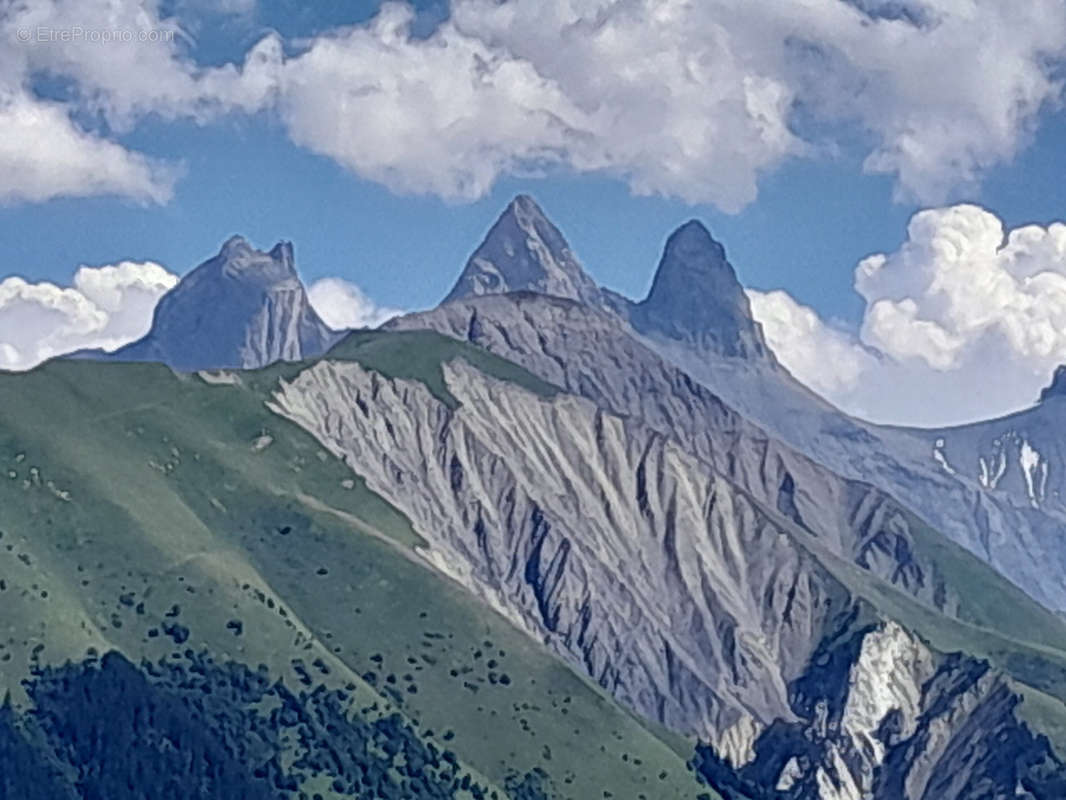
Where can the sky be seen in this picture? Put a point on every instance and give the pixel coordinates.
(886, 175)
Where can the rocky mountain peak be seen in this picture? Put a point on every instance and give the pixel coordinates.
(1057, 387)
(241, 308)
(239, 260)
(693, 237)
(524, 251)
(695, 296)
(235, 244)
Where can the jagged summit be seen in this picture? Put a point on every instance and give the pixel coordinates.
(239, 260)
(695, 296)
(1057, 387)
(242, 308)
(524, 250)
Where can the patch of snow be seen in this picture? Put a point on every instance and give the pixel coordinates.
(1000, 466)
(941, 459)
(789, 775)
(1030, 461)
(262, 442)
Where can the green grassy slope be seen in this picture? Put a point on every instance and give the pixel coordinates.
(134, 501)
(419, 354)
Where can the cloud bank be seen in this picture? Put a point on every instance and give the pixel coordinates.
(692, 100)
(105, 307)
(964, 321)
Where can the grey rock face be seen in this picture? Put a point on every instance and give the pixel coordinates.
(678, 592)
(936, 473)
(697, 298)
(523, 250)
(883, 719)
(242, 308)
(1057, 387)
(587, 353)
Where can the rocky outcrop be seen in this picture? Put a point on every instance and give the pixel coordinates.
(1057, 387)
(882, 718)
(696, 297)
(524, 250)
(243, 308)
(525, 503)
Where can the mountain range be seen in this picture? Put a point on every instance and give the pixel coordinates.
(583, 546)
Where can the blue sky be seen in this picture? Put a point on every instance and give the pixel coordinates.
(802, 159)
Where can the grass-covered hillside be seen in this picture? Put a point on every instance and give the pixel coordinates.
(173, 519)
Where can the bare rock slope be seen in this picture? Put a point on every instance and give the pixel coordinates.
(697, 318)
(693, 602)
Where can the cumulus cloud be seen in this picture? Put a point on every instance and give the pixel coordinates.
(106, 307)
(826, 357)
(693, 100)
(43, 154)
(122, 60)
(342, 305)
(444, 116)
(964, 321)
(140, 68)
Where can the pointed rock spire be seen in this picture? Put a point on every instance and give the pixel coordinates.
(524, 251)
(243, 308)
(696, 297)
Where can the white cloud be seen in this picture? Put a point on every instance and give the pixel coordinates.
(962, 322)
(826, 358)
(128, 61)
(694, 100)
(121, 60)
(342, 305)
(106, 308)
(444, 116)
(43, 154)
